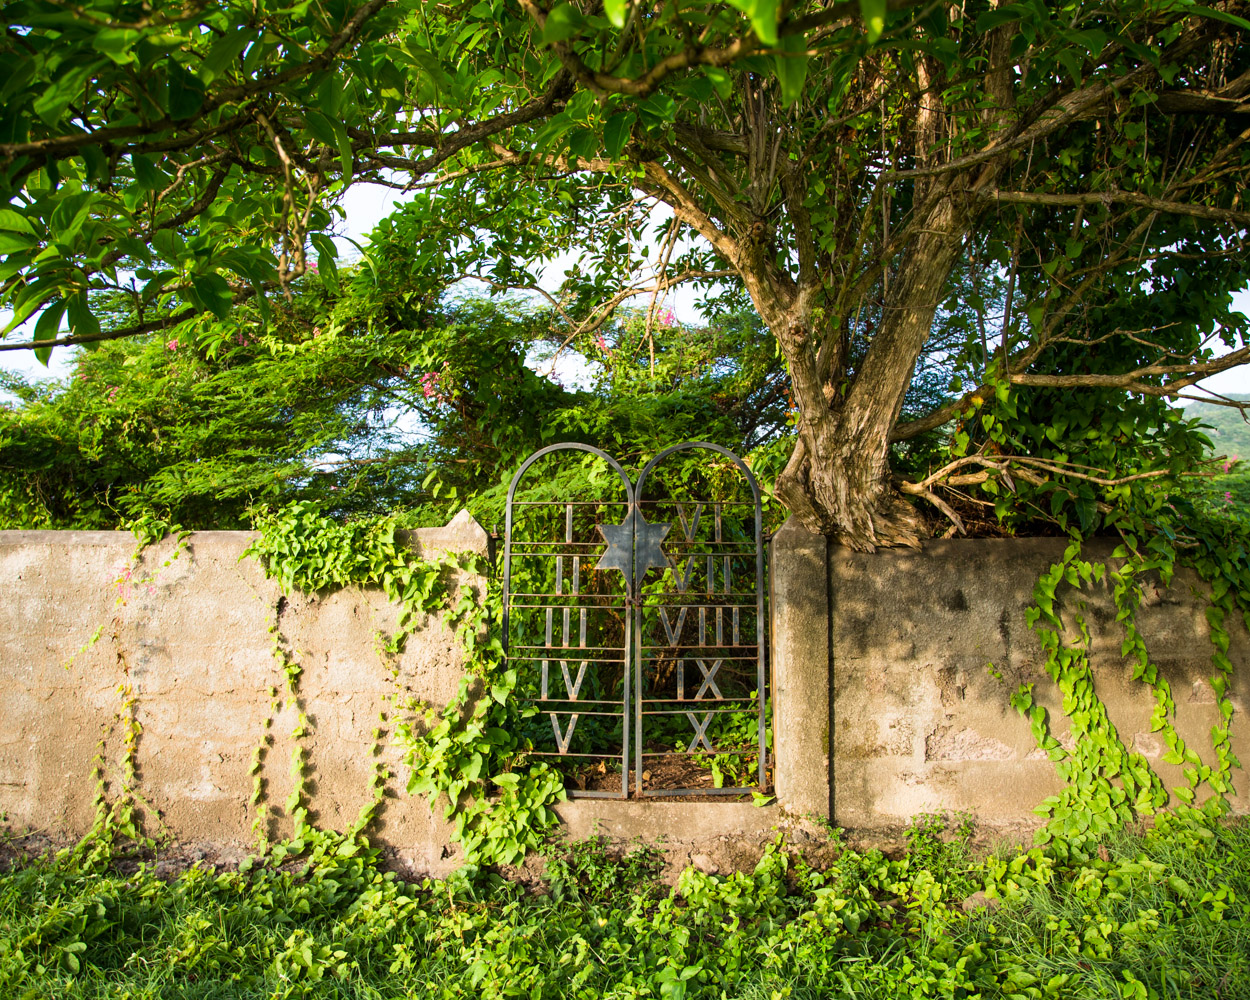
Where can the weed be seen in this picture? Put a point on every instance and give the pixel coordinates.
(1155, 915)
(590, 872)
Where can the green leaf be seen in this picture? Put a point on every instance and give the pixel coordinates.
(146, 174)
(992, 19)
(1220, 15)
(186, 93)
(721, 81)
(16, 242)
(873, 12)
(344, 144)
(55, 98)
(25, 308)
(792, 67)
(213, 294)
(118, 44)
(15, 222)
(615, 9)
(616, 132)
(563, 22)
(49, 324)
(327, 259)
(225, 50)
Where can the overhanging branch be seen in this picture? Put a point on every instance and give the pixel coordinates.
(1115, 196)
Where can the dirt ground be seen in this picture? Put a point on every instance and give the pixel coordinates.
(720, 855)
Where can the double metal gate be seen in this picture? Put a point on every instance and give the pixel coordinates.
(634, 615)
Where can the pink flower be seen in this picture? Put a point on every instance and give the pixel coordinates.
(668, 319)
(1228, 496)
(171, 345)
(112, 393)
(313, 267)
(82, 378)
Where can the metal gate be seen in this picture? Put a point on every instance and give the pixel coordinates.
(635, 618)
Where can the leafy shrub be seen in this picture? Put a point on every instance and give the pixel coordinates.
(1148, 916)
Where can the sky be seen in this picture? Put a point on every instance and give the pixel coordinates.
(367, 204)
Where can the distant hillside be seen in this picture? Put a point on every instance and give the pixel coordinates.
(1228, 430)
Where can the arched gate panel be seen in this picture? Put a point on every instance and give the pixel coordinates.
(635, 617)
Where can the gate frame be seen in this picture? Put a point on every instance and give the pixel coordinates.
(761, 632)
(633, 645)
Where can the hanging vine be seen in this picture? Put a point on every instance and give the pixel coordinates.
(1105, 784)
(467, 756)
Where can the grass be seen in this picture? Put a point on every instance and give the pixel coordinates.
(1156, 915)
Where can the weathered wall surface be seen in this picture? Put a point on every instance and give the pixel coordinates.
(883, 703)
(920, 724)
(190, 637)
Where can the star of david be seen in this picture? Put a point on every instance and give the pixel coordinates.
(642, 537)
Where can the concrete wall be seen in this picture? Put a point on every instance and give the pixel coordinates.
(190, 637)
(917, 721)
(883, 704)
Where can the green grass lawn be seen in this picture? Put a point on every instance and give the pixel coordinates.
(1157, 915)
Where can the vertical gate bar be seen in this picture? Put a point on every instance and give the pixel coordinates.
(546, 645)
(761, 647)
(568, 538)
(633, 591)
(577, 588)
(507, 573)
(626, 704)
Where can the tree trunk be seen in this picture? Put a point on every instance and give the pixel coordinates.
(837, 481)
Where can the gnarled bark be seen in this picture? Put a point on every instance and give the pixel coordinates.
(837, 481)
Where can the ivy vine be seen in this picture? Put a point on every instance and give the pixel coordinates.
(465, 756)
(468, 758)
(1105, 784)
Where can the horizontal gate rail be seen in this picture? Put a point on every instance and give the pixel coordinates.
(634, 614)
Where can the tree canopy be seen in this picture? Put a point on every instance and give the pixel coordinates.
(1018, 222)
(365, 403)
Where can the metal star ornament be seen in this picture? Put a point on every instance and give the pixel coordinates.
(647, 551)
(620, 551)
(634, 544)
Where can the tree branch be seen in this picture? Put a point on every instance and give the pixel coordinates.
(1113, 196)
(60, 145)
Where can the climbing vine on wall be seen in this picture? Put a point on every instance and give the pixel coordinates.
(1105, 784)
(119, 805)
(466, 756)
